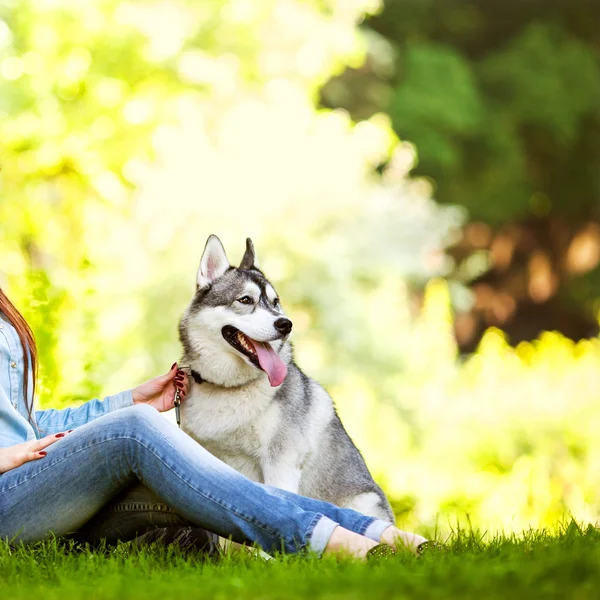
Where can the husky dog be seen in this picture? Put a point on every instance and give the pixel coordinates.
(250, 405)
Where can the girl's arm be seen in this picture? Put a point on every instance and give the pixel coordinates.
(158, 392)
(53, 420)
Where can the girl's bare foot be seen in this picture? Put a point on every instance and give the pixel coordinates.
(392, 536)
(347, 543)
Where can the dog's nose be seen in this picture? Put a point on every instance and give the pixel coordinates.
(283, 325)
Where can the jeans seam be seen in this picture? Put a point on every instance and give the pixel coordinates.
(246, 518)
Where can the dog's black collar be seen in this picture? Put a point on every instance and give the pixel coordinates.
(197, 377)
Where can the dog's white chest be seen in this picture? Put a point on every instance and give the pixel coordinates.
(234, 425)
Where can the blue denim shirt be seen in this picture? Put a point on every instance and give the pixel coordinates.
(15, 426)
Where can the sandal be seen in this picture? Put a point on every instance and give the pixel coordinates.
(429, 547)
(380, 551)
(384, 551)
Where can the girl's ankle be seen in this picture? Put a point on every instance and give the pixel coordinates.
(347, 543)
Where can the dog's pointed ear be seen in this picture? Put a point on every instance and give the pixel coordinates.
(249, 260)
(213, 262)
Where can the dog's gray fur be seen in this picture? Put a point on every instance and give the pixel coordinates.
(288, 436)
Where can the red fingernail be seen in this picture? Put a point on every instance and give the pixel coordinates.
(42, 453)
(173, 365)
(70, 430)
(60, 435)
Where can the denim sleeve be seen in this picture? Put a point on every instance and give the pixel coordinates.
(54, 421)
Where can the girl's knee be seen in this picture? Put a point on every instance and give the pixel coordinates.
(140, 416)
(140, 422)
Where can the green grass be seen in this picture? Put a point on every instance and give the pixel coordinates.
(534, 565)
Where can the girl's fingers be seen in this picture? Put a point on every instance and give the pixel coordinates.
(182, 393)
(37, 445)
(182, 382)
(34, 456)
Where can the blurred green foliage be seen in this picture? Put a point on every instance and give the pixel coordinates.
(483, 90)
(501, 100)
(504, 439)
(476, 123)
(131, 131)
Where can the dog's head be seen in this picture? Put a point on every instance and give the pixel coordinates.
(234, 328)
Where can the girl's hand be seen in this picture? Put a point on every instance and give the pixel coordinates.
(160, 391)
(15, 456)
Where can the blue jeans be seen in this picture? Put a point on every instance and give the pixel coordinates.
(85, 470)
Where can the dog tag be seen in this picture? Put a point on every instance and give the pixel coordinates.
(177, 403)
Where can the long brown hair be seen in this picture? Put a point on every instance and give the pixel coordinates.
(27, 341)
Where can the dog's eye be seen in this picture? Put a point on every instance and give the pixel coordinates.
(276, 302)
(245, 300)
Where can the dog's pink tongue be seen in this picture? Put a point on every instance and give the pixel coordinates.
(270, 362)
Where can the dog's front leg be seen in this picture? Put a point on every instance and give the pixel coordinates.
(283, 473)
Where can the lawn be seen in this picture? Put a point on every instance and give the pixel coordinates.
(534, 565)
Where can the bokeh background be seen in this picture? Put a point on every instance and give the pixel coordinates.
(421, 180)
